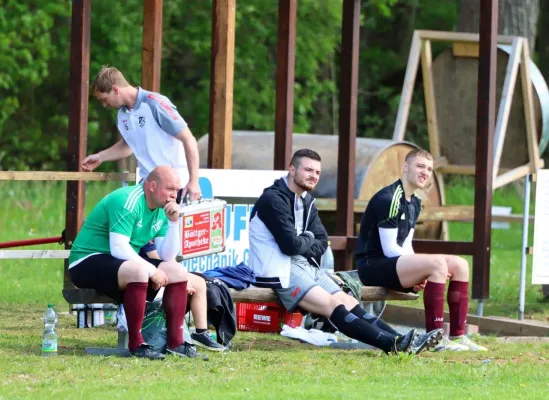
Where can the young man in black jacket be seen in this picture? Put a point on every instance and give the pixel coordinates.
(287, 240)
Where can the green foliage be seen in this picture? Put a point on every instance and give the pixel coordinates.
(35, 59)
(386, 35)
(27, 47)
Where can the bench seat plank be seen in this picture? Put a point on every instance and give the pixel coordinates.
(252, 294)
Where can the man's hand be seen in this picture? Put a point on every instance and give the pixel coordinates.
(91, 162)
(159, 279)
(193, 190)
(172, 211)
(420, 286)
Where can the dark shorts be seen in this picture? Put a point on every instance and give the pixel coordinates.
(380, 271)
(100, 272)
(304, 277)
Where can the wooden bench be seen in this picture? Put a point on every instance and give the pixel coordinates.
(252, 294)
(75, 295)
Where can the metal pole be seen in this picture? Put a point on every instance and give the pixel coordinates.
(480, 308)
(524, 247)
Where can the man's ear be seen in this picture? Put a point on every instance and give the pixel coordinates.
(292, 170)
(115, 89)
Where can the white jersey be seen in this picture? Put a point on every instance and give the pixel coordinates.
(150, 129)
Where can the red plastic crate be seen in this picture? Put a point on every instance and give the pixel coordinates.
(265, 317)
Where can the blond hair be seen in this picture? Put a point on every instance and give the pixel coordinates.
(418, 152)
(107, 78)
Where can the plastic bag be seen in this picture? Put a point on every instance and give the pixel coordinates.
(153, 328)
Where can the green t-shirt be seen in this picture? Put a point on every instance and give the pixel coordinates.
(123, 211)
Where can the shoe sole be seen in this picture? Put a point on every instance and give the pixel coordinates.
(202, 357)
(196, 343)
(148, 358)
(429, 344)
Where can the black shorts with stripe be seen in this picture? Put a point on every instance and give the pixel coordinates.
(100, 272)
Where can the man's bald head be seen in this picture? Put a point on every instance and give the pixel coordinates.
(162, 173)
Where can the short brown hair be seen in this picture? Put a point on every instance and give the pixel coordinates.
(418, 152)
(303, 153)
(106, 78)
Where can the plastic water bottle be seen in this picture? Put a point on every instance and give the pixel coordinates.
(98, 315)
(49, 337)
(327, 260)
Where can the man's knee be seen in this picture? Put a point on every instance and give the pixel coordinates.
(198, 282)
(131, 271)
(175, 271)
(458, 265)
(347, 300)
(438, 266)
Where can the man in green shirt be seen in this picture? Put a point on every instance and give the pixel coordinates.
(105, 257)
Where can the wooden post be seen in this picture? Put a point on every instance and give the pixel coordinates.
(152, 45)
(78, 120)
(505, 103)
(429, 93)
(407, 88)
(432, 124)
(285, 69)
(484, 148)
(347, 128)
(221, 84)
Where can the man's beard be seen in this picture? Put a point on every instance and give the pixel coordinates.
(303, 187)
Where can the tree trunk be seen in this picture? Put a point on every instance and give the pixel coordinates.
(516, 18)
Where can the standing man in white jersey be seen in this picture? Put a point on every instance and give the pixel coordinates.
(151, 128)
(154, 131)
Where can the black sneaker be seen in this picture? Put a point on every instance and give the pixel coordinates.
(427, 341)
(205, 340)
(187, 350)
(403, 344)
(147, 351)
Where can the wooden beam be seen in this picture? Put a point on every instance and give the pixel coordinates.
(30, 254)
(442, 36)
(369, 293)
(527, 94)
(455, 169)
(440, 162)
(347, 126)
(407, 88)
(443, 247)
(340, 244)
(65, 176)
(78, 119)
(152, 45)
(486, 106)
(453, 213)
(505, 103)
(221, 84)
(429, 96)
(465, 49)
(285, 70)
(511, 176)
(432, 124)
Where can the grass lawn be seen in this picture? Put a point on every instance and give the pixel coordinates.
(261, 366)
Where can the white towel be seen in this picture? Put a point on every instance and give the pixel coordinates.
(312, 336)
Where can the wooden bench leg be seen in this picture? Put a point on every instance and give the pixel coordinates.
(120, 351)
